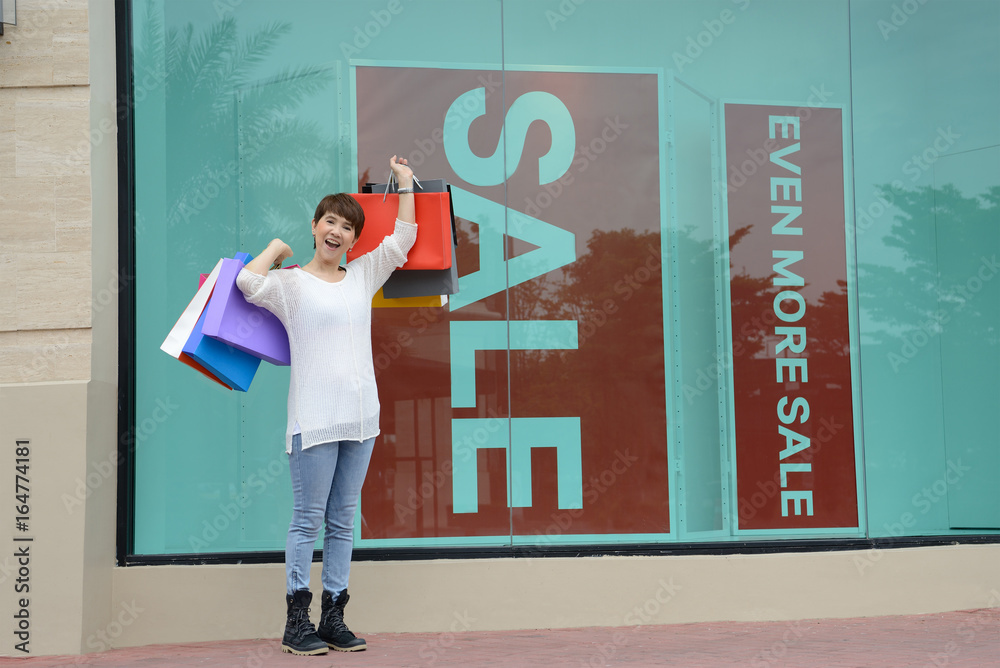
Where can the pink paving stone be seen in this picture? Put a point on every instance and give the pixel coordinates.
(967, 638)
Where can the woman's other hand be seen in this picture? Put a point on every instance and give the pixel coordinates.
(402, 172)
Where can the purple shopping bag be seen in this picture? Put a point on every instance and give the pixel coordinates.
(233, 367)
(231, 319)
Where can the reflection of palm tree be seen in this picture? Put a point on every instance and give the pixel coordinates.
(212, 93)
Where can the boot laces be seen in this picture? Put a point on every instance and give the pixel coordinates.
(334, 618)
(300, 621)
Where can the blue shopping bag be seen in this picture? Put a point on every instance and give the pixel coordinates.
(233, 367)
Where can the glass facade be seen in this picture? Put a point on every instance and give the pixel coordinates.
(726, 267)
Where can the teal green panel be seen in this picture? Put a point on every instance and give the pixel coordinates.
(556, 247)
(539, 105)
(264, 480)
(491, 171)
(925, 131)
(491, 277)
(968, 238)
(468, 436)
(543, 334)
(517, 438)
(701, 486)
(235, 149)
(561, 433)
(447, 541)
(468, 336)
(241, 125)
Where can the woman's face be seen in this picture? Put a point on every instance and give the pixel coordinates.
(334, 236)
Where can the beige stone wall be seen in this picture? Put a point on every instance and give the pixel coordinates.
(45, 194)
(244, 601)
(58, 332)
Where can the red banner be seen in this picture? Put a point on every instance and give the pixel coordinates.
(556, 185)
(795, 456)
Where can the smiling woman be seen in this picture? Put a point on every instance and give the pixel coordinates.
(333, 406)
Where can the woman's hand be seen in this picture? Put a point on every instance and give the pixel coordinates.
(281, 250)
(270, 258)
(404, 176)
(402, 172)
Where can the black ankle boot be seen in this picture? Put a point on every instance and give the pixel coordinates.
(300, 635)
(332, 628)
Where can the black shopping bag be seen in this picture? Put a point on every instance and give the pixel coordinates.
(422, 282)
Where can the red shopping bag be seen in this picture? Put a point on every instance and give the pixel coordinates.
(432, 249)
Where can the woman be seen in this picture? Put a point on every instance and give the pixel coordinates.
(333, 408)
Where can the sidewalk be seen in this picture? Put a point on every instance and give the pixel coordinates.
(967, 638)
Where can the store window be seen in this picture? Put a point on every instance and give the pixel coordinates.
(672, 324)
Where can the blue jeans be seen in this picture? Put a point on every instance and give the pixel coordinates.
(326, 485)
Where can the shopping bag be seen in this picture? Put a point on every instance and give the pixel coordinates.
(231, 319)
(186, 359)
(426, 186)
(173, 345)
(423, 282)
(426, 283)
(433, 218)
(233, 367)
(434, 301)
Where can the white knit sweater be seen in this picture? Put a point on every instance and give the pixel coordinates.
(332, 394)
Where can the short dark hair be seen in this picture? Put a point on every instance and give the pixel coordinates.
(345, 206)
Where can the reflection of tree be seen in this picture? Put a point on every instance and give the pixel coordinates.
(614, 291)
(937, 232)
(212, 90)
(750, 299)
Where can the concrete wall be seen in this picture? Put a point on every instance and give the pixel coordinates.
(196, 603)
(58, 321)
